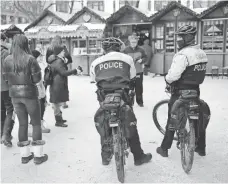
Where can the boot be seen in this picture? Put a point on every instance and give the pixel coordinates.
(39, 157)
(63, 120)
(59, 122)
(162, 152)
(26, 155)
(44, 130)
(7, 137)
(145, 158)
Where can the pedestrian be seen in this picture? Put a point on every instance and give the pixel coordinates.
(7, 121)
(22, 72)
(57, 40)
(59, 88)
(148, 49)
(139, 56)
(41, 89)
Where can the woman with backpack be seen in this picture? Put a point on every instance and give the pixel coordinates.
(59, 92)
(22, 72)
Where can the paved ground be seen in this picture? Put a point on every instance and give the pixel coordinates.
(74, 152)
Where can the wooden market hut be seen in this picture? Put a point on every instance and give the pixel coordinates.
(214, 23)
(126, 20)
(85, 45)
(164, 23)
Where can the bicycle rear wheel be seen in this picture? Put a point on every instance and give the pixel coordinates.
(187, 142)
(157, 108)
(118, 153)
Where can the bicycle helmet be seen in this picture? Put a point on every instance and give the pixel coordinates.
(186, 29)
(112, 43)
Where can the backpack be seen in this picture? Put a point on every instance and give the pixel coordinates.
(48, 75)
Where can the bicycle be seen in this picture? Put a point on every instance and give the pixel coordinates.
(112, 104)
(185, 133)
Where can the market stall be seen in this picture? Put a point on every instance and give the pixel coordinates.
(215, 35)
(164, 24)
(86, 42)
(126, 20)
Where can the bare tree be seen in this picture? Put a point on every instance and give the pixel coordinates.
(31, 8)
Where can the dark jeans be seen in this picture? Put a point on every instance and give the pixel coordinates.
(168, 138)
(139, 88)
(6, 114)
(42, 107)
(23, 108)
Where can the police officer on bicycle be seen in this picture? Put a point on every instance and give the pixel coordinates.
(114, 71)
(187, 72)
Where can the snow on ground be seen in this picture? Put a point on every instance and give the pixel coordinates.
(74, 152)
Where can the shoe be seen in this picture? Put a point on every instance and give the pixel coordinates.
(144, 159)
(60, 125)
(61, 117)
(141, 105)
(8, 143)
(40, 160)
(65, 106)
(162, 152)
(39, 157)
(105, 162)
(44, 130)
(201, 152)
(25, 160)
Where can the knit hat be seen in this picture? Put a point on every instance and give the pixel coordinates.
(3, 36)
(36, 53)
(57, 49)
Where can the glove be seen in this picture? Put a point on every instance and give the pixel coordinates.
(131, 93)
(79, 70)
(139, 61)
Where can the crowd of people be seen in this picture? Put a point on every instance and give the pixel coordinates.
(25, 80)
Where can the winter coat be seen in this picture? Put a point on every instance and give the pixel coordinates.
(136, 54)
(23, 84)
(59, 89)
(4, 54)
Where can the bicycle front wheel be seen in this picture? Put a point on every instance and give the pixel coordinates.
(187, 142)
(160, 116)
(118, 153)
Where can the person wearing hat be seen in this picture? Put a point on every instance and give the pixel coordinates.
(41, 90)
(7, 121)
(139, 56)
(59, 92)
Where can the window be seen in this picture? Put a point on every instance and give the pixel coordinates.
(19, 20)
(96, 5)
(169, 37)
(128, 2)
(62, 6)
(11, 19)
(213, 36)
(3, 19)
(203, 3)
(159, 43)
(149, 5)
(158, 4)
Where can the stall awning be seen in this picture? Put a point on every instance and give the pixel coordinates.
(82, 30)
(20, 26)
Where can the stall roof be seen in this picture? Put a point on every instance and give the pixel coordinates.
(172, 5)
(212, 8)
(7, 26)
(115, 16)
(58, 15)
(65, 30)
(100, 15)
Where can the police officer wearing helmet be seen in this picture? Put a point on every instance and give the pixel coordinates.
(187, 72)
(114, 71)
